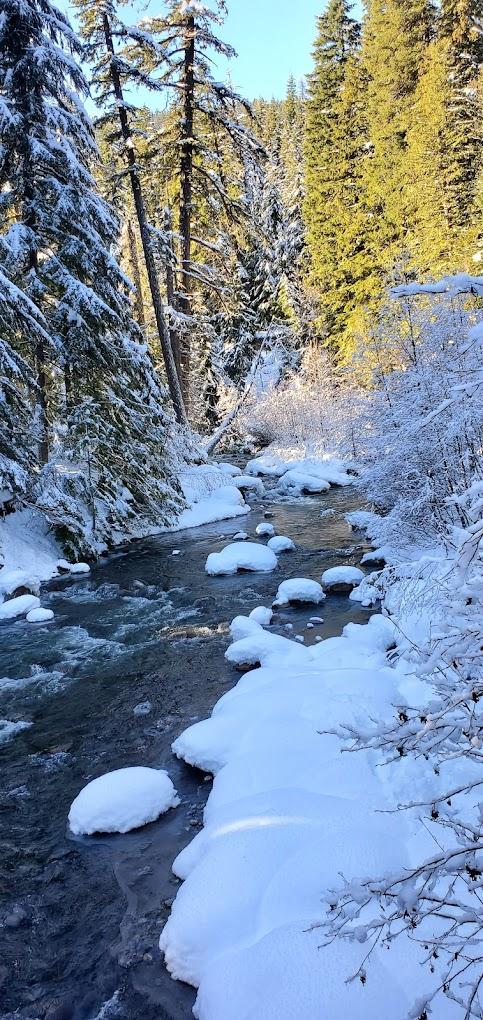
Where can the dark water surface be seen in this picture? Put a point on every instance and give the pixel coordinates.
(80, 917)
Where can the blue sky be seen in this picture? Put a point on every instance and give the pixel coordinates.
(273, 39)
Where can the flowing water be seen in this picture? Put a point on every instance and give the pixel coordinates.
(80, 917)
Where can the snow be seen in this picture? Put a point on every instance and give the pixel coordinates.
(287, 814)
(222, 504)
(249, 482)
(241, 556)
(265, 529)
(262, 615)
(272, 466)
(79, 568)
(29, 549)
(279, 544)
(19, 606)
(341, 578)
(122, 800)
(299, 589)
(240, 536)
(298, 481)
(39, 615)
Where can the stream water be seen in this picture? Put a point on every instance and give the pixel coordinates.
(80, 917)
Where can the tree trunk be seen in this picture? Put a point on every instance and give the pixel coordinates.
(172, 377)
(170, 291)
(186, 193)
(136, 275)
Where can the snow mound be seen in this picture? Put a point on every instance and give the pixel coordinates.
(79, 568)
(250, 482)
(241, 556)
(267, 464)
(261, 615)
(342, 578)
(297, 481)
(122, 800)
(260, 648)
(241, 536)
(279, 544)
(299, 589)
(367, 592)
(19, 606)
(39, 615)
(229, 469)
(265, 529)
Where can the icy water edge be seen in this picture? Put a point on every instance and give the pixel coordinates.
(80, 917)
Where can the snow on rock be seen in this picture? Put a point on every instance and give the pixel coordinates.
(9, 729)
(241, 536)
(262, 615)
(122, 800)
(39, 615)
(19, 606)
(29, 549)
(241, 556)
(279, 544)
(265, 529)
(342, 578)
(80, 568)
(250, 482)
(267, 464)
(228, 469)
(299, 589)
(381, 555)
(296, 482)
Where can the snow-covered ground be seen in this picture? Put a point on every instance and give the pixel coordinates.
(294, 815)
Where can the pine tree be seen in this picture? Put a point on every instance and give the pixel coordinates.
(336, 40)
(395, 39)
(101, 27)
(445, 157)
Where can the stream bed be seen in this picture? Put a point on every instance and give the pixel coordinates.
(80, 917)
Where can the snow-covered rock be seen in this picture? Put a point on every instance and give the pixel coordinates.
(122, 800)
(299, 589)
(219, 504)
(19, 606)
(241, 556)
(262, 615)
(296, 482)
(80, 568)
(265, 529)
(267, 464)
(39, 615)
(367, 592)
(241, 536)
(229, 469)
(342, 578)
(251, 483)
(280, 544)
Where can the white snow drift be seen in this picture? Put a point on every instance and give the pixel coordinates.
(241, 556)
(122, 800)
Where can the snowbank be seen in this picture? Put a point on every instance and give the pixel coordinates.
(288, 813)
(122, 800)
(241, 556)
(299, 589)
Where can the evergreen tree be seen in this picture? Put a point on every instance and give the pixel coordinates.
(395, 39)
(336, 40)
(445, 140)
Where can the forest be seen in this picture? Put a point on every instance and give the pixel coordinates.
(294, 286)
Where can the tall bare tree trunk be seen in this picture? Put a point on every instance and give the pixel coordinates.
(172, 377)
(171, 290)
(186, 194)
(136, 274)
